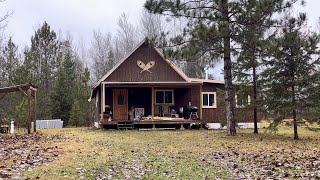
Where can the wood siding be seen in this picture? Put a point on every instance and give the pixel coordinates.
(129, 71)
(217, 115)
(140, 97)
(212, 115)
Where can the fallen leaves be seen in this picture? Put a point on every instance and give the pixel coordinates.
(276, 165)
(193, 154)
(20, 153)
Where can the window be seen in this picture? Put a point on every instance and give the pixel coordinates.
(120, 99)
(209, 100)
(164, 97)
(242, 100)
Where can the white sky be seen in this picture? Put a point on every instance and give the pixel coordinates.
(81, 17)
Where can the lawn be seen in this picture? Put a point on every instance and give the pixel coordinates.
(81, 153)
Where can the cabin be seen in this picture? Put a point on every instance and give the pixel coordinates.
(146, 90)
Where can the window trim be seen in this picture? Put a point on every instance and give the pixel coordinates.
(163, 90)
(242, 105)
(215, 100)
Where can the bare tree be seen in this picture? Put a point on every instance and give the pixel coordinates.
(4, 18)
(127, 36)
(153, 27)
(101, 52)
(3, 24)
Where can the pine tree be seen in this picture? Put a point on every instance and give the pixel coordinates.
(312, 109)
(84, 92)
(257, 20)
(11, 61)
(44, 57)
(63, 93)
(77, 115)
(208, 33)
(290, 72)
(212, 29)
(2, 71)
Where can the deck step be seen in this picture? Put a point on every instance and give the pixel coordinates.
(125, 125)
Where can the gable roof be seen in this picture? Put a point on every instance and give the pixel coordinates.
(172, 65)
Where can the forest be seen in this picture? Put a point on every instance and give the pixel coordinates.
(264, 44)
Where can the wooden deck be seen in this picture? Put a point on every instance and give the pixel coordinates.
(152, 124)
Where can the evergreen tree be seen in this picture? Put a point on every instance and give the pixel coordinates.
(77, 115)
(211, 30)
(257, 20)
(208, 33)
(2, 72)
(312, 109)
(84, 92)
(63, 93)
(11, 61)
(24, 74)
(44, 57)
(290, 72)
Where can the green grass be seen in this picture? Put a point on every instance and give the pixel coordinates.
(186, 154)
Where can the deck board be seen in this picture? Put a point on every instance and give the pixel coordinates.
(180, 121)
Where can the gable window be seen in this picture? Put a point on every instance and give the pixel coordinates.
(164, 97)
(242, 100)
(209, 100)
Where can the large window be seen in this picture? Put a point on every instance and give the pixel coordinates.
(209, 100)
(164, 97)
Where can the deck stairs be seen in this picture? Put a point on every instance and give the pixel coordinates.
(125, 125)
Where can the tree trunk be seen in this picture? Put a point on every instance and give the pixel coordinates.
(231, 124)
(294, 114)
(255, 116)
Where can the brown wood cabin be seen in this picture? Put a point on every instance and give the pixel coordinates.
(146, 90)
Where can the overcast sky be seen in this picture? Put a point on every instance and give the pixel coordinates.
(80, 17)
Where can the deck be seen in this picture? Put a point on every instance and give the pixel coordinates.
(177, 123)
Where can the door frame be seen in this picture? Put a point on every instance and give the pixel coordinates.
(126, 99)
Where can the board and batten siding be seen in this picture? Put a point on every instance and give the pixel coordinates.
(129, 71)
(211, 115)
(216, 115)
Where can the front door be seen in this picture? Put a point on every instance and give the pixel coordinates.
(120, 104)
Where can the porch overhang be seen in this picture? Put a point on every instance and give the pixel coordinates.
(144, 84)
(151, 84)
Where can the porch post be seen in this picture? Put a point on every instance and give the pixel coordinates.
(200, 109)
(29, 111)
(35, 112)
(101, 100)
(152, 101)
